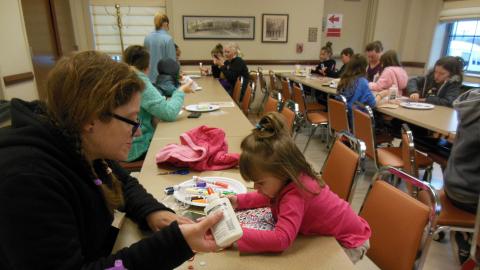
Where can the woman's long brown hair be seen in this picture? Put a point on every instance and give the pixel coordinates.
(85, 86)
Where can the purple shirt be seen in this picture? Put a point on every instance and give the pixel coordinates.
(372, 71)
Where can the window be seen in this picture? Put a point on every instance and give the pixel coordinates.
(136, 18)
(464, 41)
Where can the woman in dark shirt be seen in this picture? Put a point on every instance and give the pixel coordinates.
(232, 66)
(327, 66)
(346, 55)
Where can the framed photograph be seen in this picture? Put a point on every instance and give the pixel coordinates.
(275, 28)
(218, 27)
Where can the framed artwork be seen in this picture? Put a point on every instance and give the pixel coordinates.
(275, 28)
(218, 27)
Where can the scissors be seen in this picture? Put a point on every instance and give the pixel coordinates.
(183, 171)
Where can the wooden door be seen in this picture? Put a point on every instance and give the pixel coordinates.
(50, 35)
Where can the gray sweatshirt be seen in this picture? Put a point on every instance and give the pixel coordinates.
(462, 175)
(438, 94)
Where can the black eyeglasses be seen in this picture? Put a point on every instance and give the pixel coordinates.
(135, 125)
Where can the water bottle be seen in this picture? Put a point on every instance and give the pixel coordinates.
(393, 92)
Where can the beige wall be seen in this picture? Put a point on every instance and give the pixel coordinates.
(302, 14)
(353, 25)
(15, 52)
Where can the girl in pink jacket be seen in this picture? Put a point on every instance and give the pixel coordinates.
(392, 74)
(300, 201)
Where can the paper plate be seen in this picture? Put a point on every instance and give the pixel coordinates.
(202, 108)
(182, 195)
(417, 105)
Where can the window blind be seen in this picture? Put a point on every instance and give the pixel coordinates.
(137, 21)
(460, 10)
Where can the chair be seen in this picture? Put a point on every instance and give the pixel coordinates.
(398, 221)
(270, 106)
(134, 166)
(337, 115)
(286, 89)
(315, 119)
(289, 118)
(340, 168)
(364, 129)
(247, 97)
(273, 82)
(237, 90)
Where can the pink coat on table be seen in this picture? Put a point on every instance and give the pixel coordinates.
(202, 148)
(391, 76)
(299, 212)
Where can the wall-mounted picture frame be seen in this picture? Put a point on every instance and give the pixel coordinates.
(218, 27)
(275, 28)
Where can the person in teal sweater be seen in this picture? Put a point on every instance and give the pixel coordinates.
(153, 104)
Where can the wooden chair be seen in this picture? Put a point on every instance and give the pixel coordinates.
(340, 168)
(398, 221)
(314, 118)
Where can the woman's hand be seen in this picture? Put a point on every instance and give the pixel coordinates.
(415, 97)
(233, 200)
(199, 236)
(160, 219)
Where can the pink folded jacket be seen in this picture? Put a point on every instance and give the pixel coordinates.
(202, 148)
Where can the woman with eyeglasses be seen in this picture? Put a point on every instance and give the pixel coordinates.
(153, 105)
(60, 185)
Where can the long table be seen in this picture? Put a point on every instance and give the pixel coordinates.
(307, 252)
(440, 119)
(313, 81)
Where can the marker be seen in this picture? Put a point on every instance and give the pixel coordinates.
(216, 183)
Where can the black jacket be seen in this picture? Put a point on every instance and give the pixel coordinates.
(234, 69)
(329, 64)
(52, 215)
(438, 94)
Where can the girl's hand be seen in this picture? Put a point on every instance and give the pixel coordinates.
(233, 200)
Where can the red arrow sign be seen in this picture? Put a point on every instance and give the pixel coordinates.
(334, 19)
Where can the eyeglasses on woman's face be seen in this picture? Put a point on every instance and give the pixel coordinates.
(135, 125)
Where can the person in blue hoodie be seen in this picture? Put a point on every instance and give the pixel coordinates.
(353, 84)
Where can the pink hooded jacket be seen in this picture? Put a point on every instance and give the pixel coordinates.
(389, 77)
(202, 148)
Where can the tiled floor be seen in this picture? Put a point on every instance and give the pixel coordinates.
(440, 253)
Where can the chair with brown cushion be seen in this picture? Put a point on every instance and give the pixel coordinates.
(134, 166)
(247, 98)
(286, 93)
(340, 168)
(289, 118)
(314, 118)
(398, 222)
(452, 218)
(364, 129)
(237, 90)
(337, 115)
(271, 105)
(273, 83)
